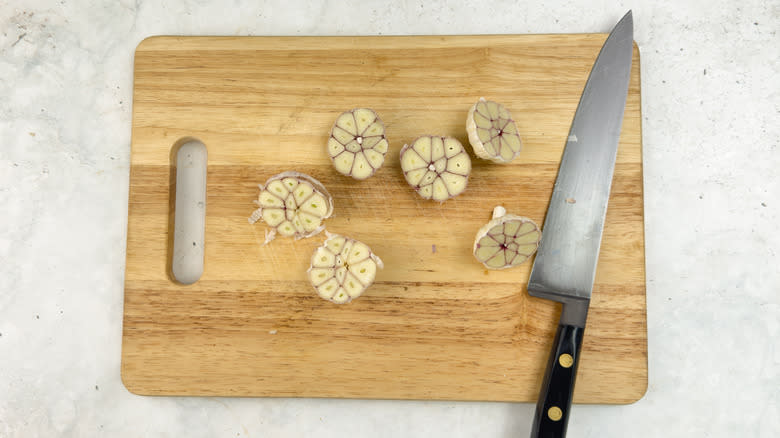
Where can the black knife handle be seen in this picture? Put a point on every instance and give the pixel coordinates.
(552, 409)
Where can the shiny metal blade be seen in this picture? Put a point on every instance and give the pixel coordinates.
(565, 265)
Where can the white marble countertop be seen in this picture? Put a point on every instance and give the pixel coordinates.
(711, 104)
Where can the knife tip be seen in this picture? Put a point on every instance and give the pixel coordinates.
(626, 22)
(629, 17)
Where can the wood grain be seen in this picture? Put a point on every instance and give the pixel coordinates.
(436, 325)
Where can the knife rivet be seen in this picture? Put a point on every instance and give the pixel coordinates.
(566, 360)
(555, 413)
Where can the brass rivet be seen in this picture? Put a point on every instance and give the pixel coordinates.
(555, 413)
(566, 360)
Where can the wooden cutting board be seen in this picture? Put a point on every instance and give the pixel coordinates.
(436, 324)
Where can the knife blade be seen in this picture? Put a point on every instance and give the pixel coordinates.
(565, 266)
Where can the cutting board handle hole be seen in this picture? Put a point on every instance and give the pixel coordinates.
(187, 210)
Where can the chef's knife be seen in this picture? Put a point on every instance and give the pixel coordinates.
(565, 265)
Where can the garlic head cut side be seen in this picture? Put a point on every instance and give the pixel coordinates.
(293, 204)
(492, 132)
(506, 241)
(436, 167)
(357, 143)
(342, 269)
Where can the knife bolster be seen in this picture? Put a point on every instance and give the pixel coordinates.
(575, 312)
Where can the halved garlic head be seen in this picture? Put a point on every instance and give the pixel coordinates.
(492, 132)
(506, 241)
(342, 268)
(357, 144)
(293, 204)
(436, 167)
